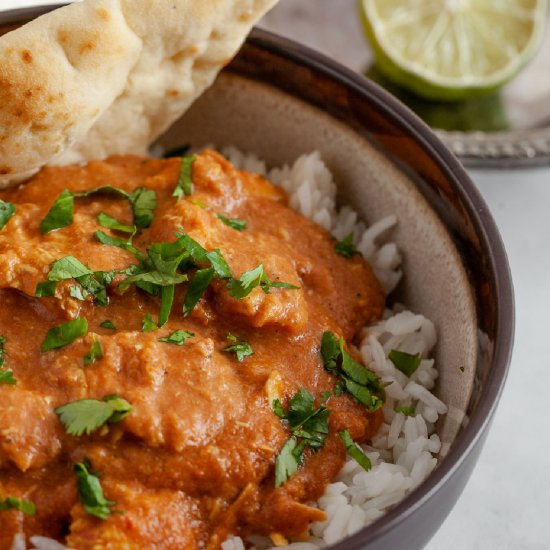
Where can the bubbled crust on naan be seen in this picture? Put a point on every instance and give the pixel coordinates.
(106, 77)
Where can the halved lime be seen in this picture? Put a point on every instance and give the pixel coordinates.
(453, 49)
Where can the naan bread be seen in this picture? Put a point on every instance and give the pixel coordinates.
(106, 77)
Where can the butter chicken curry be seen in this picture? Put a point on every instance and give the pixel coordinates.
(174, 365)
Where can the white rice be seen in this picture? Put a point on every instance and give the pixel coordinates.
(403, 452)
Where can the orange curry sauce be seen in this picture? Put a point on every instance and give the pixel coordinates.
(194, 460)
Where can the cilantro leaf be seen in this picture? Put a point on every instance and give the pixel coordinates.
(95, 353)
(13, 503)
(241, 349)
(309, 428)
(6, 377)
(148, 324)
(67, 268)
(178, 338)
(91, 492)
(346, 247)
(184, 185)
(355, 451)
(155, 278)
(107, 324)
(166, 301)
(7, 210)
(87, 415)
(286, 463)
(143, 202)
(218, 263)
(45, 289)
(198, 286)
(248, 281)
(355, 378)
(406, 410)
(238, 225)
(60, 214)
(111, 223)
(405, 362)
(64, 334)
(108, 240)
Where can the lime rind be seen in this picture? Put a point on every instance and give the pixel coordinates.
(432, 85)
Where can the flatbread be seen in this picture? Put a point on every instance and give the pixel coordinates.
(106, 77)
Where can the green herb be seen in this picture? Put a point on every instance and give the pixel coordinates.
(143, 202)
(405, 362)
(91, 283)
(13, 503)
(178, 338)
(45, 289)
(239, 225)
(68, 268)
(111, 223)
(355, 451)
(309, 429)
(325, 396)
(241, 349)
(7, 210)
(64, 334)
(91, 493)
(60, 214)
(406, 410)
(198, 286)
(87, 415)
(248, 281)
(95, 353)
(166, 300)
(346, 247)
(356, 379)
(107, 324)
(148, 324)
(184, 185)
(108, 240)
(6, 377)
(155, 278)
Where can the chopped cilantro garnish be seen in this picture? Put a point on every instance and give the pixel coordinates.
(238, 225)
(184, 185)
(405, 362)
(65, 334)
(109, 240)
(241, 349)
(91, 493)
(355, 378)
(13, 503)
(6, 377)
(248, 281)
(309, 428)
(355, 451)
(325, 396)
(143, 202)
(112, 223)
(406, 410)
(68, 268)
(45, 289)
(60, 214)
(148, 324)
(346, 247)
(87, 415)
(199, 284)
(178, 338)
(95, 353)
(7, 210)
(90, 282)
(108, 324)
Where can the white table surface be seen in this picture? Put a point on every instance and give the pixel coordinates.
(506, 504)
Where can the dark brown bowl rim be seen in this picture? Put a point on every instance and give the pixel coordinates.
(492, 248)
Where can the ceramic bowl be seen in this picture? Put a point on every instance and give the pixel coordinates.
(279, 100)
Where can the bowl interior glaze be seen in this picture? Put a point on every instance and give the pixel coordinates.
(279, 100)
